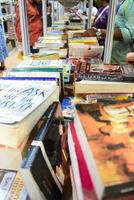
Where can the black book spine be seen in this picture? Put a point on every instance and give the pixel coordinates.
(47, 122)
(101, 77)
(30, 157)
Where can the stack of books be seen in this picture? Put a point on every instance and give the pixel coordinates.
(22, 106)
(50, 42)
(85, 47)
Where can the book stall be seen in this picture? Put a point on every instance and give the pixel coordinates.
(67, 114)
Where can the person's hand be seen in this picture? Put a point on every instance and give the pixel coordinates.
(130, 57)
(90, 33)
(78, 34)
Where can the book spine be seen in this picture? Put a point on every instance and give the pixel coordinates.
(47, 122)
(30, 157)
(37, 69)
(29, 78)
(101, 77)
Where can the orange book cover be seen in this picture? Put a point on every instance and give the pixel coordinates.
(109, 131)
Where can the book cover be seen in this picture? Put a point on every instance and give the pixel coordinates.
(105, 133)
(101, 72)
(6, 180)
(17, 190)
(38, 176)
(68, 106)
(21, 107)
(52, 137)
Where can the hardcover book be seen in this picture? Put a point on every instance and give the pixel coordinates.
(105, 133)
(21, 106)
(38, 176)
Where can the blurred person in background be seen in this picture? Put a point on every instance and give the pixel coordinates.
(39, 6)
(35, 26)
(123, 37)
(3, 47)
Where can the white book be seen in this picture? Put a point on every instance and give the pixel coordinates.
(41, 63)
(7, 83)
(31, 74)
(21, 106)
(86, 87)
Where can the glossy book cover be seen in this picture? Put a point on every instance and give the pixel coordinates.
(109, 131)
(104, 72)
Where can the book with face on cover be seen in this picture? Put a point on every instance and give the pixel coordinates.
(105, 133)
(21, 106)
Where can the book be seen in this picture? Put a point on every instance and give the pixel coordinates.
(51, 136)
(50, 42)
(83, 40)
(6, 83)
(17, 190)
(12, 157)
(41, 64)
(105, 134)
(87, 87)
(103, 72)
(31, 74)
(87, 51)
(68, 106)
(21, 107)
(38, 175)
(6, 180)
(85, 178)
(46, 55)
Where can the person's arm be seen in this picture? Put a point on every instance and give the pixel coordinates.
(93, 33)
(130, 57)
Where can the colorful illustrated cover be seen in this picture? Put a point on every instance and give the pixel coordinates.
(109, 130)
(68, 106)
(104, 72)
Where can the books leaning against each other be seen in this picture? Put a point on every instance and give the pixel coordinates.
(43, 168)
(105, 133)
(21, 106)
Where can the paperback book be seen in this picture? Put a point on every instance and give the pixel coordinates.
(52, 137)
(105, 133)
(21, 107)
(38, 176)
(101, 72)
(41, 64)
